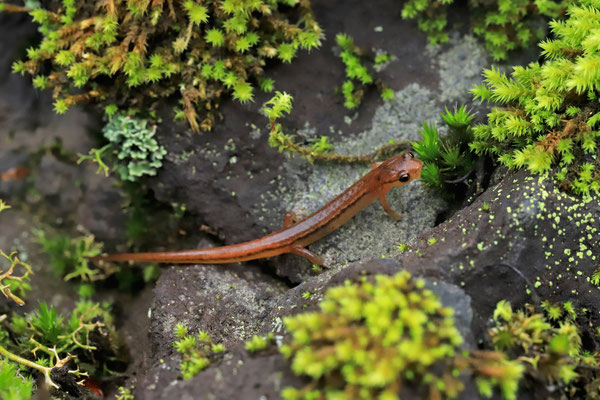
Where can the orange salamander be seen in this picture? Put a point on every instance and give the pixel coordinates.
(295, 236)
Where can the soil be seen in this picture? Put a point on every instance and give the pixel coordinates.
(235, 188)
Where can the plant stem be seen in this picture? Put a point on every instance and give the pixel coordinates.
(23, 361)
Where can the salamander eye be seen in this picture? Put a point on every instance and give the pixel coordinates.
(404, 177)
(408, 155)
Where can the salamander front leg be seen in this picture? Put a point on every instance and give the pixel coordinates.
(312, 257)
(375, 164)
(388, 209)
(289, 219)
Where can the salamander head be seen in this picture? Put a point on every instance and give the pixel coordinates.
(399, 170)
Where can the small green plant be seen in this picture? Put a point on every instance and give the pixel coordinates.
(197, 352)
(39, 338)
(549, 346)
(125, 393)
(132, 150)
(132, 54)
(358, 76)
(281, 104)
(258, 343)
(3, 206)
(70, 257)
(503, 25)
(371, 339)
(13, 386)
(550, 111)
(446, 158)
(12, 284)
(14, 278)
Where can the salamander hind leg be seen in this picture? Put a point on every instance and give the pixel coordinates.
(312, 257)
(388, 209)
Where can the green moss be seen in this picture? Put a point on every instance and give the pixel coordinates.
(503, 25)
(134, 53)
(360, 72)
(550, 111)
(369, 339)
(13, 386)
(125, 393)
(69, 257)
(549, 346)
(258, 343)
(447, 159)
(3, 206)
(86, 337)
(197, 351)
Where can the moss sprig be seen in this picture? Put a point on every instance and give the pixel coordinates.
(258, 343)
(321, 150)
(197, 351)
(360, 71)
(3, 205)
(70, 257)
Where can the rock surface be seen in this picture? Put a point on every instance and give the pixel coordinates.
(531, 243)
(521, 240)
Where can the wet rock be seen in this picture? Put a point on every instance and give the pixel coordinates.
(234, 169)
(238, 376)
(529, 243)
(229, 303)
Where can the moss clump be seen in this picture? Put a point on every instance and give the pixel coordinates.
(549, 347)
(550, 111)
(503, 25)
(258, 343)
(447, 158)
(134, 53)
(86, 339)
(369, 339)
(197, 351)
(12, 385)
